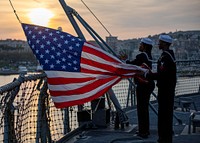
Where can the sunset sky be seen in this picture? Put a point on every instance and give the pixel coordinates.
(126, 19)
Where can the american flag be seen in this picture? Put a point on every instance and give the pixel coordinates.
(77, 71)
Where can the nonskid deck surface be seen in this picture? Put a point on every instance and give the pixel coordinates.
(126, 135)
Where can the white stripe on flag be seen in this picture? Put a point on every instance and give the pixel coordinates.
(92, 57)
(64, 74)
(60, 99)
(85, 66)
(98, 49)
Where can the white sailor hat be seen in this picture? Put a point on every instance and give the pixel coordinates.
(166, 38)
(147, 41)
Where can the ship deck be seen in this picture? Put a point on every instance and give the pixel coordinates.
(126, 135)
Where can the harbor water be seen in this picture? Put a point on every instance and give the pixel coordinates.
(5, 79)
(193, 81)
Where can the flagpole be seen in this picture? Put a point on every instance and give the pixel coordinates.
(68, 10)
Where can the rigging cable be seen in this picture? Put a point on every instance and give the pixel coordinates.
(14, 11)
(96, 18)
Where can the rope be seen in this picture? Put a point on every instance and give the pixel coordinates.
(96, 18)
(14, 11)
(20, 80)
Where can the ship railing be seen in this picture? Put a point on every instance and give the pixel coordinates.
(28, 114)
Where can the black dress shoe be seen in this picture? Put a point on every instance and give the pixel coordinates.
(144, 136)
(137, 132)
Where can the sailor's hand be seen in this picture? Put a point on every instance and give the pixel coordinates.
(141, 77)
(145, 66)
(123, 56)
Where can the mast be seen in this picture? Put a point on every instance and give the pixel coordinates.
(69, 11)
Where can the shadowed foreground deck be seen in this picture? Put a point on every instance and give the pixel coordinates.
(110, 135)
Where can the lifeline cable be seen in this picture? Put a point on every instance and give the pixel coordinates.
(14, 11)
(96, 17)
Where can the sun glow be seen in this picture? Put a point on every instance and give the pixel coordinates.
(40, 16)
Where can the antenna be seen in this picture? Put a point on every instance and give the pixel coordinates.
(96, 18)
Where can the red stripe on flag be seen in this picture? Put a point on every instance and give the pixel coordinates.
(111, 70)
(99, 54)
(84, 100)
(120, 73)
(90, 71)
(82, 90)
(62, 80)
(106, 67)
